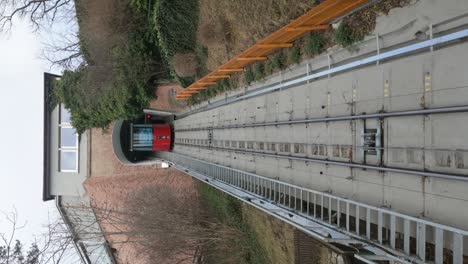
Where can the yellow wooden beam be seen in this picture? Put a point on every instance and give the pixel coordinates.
(307, 28)
(231, 70)
(187, 91)
(274, 46)
(218, 76)
(196, 88)
(252, 58)
(206, 83)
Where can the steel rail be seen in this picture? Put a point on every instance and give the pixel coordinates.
(442, 110)
(458, 177)
(355, 64)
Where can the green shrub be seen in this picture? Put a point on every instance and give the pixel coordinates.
(268, 69)
(176, 23)
(223, 85)
(346, 36)
(258, 69)
(202, 56)
(314, 43)
(185, 81)
(98, 94)
(140, 5)
(294, 55)
(212, 91)
(277, 61)
(249, 76)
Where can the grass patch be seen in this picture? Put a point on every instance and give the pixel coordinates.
(346, 36)
(176, 23)
(229, 210)
(294, 55)
(249, 75)
(258, 71)
(278, 61)
(275, 236)
(268, 69)
(202, 56)
(314, 43)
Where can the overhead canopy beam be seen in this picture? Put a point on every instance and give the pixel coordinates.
(196, 88)
(218, 76)
(231, 70)
(307, 28)
(274, 46)
(252, 58)
(318, 18)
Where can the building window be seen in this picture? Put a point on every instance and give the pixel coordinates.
(68, 143)
(64, 115)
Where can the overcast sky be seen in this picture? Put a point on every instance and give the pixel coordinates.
(21, 116)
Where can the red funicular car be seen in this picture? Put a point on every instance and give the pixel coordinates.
(150, 137)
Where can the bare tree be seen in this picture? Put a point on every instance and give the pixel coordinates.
(38, 12)
(53, 247)
(159, 222)
(64, 51)
(7, 252)
(170, 225)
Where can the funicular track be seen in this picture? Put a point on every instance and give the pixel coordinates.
(308, 152)
(378, 234)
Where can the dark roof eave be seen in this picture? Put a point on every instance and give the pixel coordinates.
(46, 195)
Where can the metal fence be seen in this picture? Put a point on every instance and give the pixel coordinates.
(417, 240)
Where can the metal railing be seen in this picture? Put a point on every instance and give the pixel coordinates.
(407, 238)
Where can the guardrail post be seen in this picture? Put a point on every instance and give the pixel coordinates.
(358, 219)
(321, 206)
(421, 241)
(457, 248)
(439, 246)
(407, 234)
(392, 231)
(338, 213)
(368, 218)
(379, 226)
(347, 216)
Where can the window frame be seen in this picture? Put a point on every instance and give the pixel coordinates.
(73, 149)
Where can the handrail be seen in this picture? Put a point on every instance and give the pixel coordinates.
(339, 213)
(317, 18)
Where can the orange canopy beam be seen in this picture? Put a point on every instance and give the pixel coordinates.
(196, 88)
(274, 46)
(252, 58)
(231, 70)
(218, 76)
(318, 18)
(307, 28)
